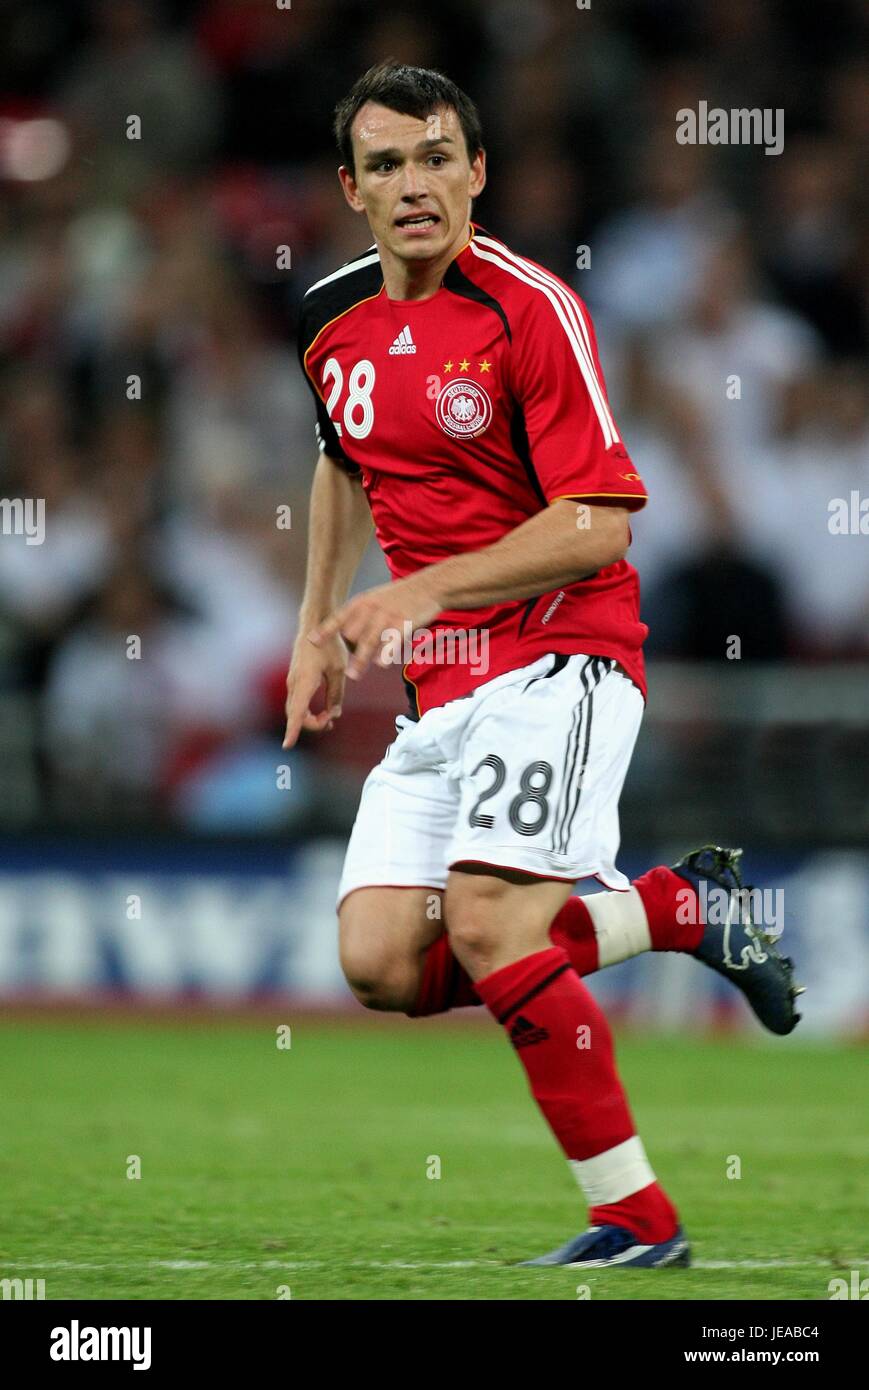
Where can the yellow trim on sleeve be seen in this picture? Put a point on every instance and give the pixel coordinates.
(571, 496)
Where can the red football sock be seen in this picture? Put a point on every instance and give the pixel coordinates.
(669, 899)
(573, 929)
(649, 1213)
(445, 983)
(564, 1044)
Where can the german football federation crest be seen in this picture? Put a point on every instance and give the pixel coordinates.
(463, 408)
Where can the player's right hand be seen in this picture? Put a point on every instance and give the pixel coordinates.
(309, 668)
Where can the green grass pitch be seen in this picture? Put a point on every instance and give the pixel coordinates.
(302, 1172)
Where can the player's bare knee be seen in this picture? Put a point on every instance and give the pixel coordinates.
(471, 928)
(385, 996)
(378, 981)
(495, 918)
(380, 973)
(474, 911)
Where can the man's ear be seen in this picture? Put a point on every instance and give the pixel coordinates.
(350, 189)
(481, 173)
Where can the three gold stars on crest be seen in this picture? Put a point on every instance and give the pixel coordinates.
(465, 366)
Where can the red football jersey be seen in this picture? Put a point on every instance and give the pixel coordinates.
(465, 414)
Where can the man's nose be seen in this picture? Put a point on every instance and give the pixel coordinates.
(412, 181)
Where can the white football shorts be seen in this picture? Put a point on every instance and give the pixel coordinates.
(524, 773)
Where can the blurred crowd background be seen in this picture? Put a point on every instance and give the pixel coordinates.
(154, 259)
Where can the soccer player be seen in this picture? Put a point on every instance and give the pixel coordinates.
(460, 403)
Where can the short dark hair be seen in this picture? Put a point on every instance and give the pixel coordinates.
(412, 92)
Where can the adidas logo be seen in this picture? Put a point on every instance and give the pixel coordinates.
(524, 1033)
(403, 344)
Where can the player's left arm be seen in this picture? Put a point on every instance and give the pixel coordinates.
(558, 546)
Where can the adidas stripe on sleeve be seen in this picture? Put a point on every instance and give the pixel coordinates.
(575, 447)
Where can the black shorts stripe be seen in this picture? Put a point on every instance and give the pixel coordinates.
(570, 755)
(602, 667)
(580, 735)
(558, 665)
(589, 716)
(532, 993)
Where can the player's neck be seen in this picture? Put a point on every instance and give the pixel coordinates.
(419, 279)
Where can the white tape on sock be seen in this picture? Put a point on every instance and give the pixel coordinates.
(610, 1176)
(620, 925)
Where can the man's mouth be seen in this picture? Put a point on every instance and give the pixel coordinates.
(420, 221)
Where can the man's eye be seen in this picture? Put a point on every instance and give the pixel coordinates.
(440, 157)
(385, 165)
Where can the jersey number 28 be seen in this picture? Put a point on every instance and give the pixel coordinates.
(359, 389)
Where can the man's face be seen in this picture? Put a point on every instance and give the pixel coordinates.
(412, 179)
